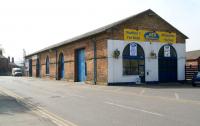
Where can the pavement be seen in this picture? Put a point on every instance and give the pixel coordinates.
(76, 104)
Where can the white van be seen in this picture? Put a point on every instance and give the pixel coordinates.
(16, 72)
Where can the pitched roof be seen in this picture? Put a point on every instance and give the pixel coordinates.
(192, 54)
(12, 64)
(99, 30)
(3, 57)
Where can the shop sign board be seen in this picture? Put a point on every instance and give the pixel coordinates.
(145, 36)
(133, 49)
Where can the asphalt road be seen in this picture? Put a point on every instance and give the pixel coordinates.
(15, 113)
(78, 104)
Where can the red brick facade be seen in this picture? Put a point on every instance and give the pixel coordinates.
(6, 66)
(69, 58)
(193, 62)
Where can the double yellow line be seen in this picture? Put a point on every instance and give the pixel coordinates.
(40, 111)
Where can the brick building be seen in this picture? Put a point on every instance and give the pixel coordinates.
(193, 58)
(140, 48)
(192, 63)
(5, 64)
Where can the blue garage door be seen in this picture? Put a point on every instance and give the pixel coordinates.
(81, 65)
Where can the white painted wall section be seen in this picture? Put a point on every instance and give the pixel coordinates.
(115, 66)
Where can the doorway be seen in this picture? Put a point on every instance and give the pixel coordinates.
(30, 67)
(61, 70)
(167, 64)
(37, 67)
(80, 65)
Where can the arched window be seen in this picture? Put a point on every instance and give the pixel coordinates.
(61, 70)
(47, 65)
(167, 51)
(133, 58)
(38, 67)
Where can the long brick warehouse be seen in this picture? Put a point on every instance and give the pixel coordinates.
(143, 48)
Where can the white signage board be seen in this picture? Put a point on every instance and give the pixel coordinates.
(27, 65)
(133, 49)
(167, 51)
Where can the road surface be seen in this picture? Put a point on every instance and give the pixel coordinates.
(77, 104)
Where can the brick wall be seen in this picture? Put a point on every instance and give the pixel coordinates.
(193, 63)
(4, 66)
(68, 51)
(144, 22)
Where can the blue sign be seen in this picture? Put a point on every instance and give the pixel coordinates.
(151, 36)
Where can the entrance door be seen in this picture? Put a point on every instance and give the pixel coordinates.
(37, 68)
(81, 65)
(61, 70)
(30, 67)
(167, 64)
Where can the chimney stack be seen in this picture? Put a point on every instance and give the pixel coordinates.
(12, 59)
(8, 59)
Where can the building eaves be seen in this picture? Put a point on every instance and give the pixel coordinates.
(3, 57)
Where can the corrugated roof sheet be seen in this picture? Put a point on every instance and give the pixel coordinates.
(192, 54)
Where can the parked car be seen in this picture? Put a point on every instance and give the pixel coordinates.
(196, 79)
(16, 72)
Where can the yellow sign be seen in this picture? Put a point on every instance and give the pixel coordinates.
(144, 36)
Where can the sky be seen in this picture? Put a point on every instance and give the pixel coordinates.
(36, 24)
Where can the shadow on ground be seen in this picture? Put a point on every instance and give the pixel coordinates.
(11, 106)
(15, 112)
